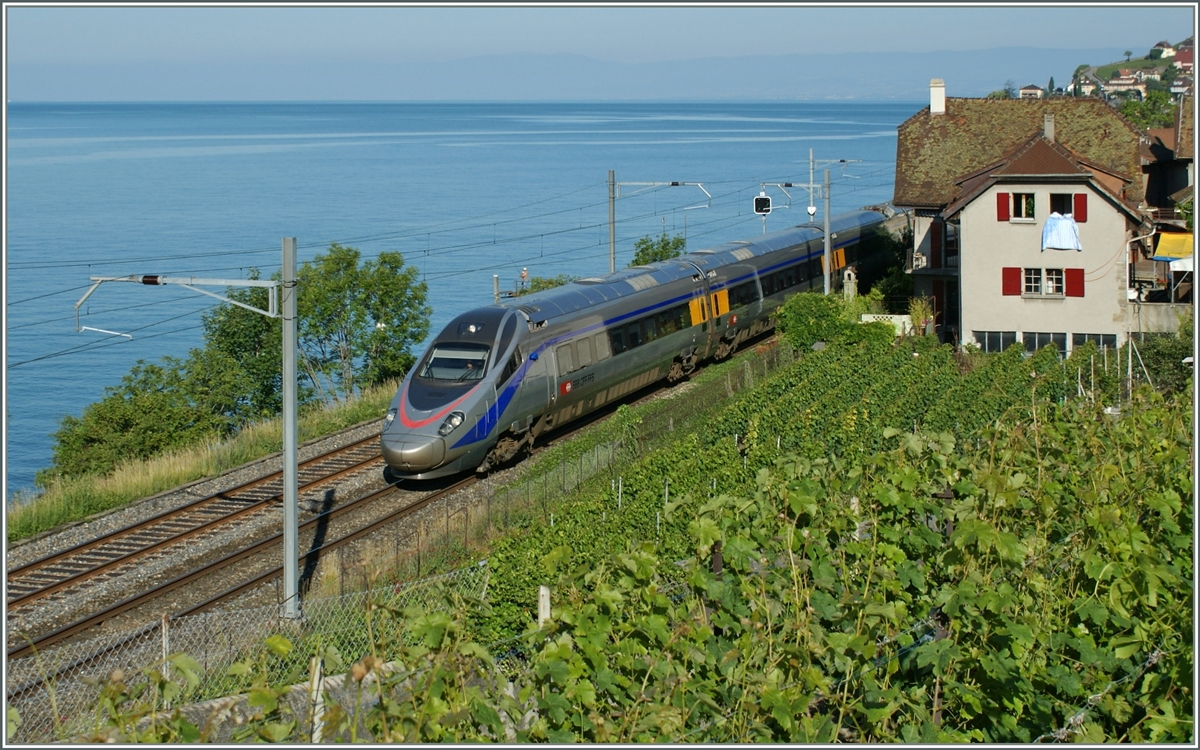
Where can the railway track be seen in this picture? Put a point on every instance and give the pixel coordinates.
(112, 554)
(39, 680)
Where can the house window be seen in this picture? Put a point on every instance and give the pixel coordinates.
(1035, 341)
(1102, 340)
(1048, 282)
(1054, 281)
(995, 341)
(1022, 205)
(1033, 281)
(1070, 203)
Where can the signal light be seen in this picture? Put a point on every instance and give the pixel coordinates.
(762, 204)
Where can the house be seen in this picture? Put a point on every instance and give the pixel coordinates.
(1183, 60)
(1166, 49)
(1032, 92)
(1125, 82)
(984, 179)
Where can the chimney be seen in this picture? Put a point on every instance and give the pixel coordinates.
(937, 97)
(1048, 126)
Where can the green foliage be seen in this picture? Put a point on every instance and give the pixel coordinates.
(357, 325)
(1008, 92)
(1188, 210)
(254, 342)
(810, 317)
(1024, 581)
(648, 249)
(358, 322)
(155, 408)
(541, 283)
(1156, 111)
(1163, 353)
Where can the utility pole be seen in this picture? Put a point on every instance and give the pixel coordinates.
(291, 602)
(828, 243)
(612, 222)
(812, 210)
(291, 555)
(614, 190)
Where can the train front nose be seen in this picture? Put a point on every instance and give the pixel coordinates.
(413, 454)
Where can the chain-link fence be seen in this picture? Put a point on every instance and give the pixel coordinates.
(51, 688)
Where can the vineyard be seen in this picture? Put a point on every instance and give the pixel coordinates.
(880, 542)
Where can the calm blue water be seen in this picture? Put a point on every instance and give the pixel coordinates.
(464, 191)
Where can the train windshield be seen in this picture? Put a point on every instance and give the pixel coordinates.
(455, 362)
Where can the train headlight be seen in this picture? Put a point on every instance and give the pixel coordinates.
(452, 422)
(391, 417)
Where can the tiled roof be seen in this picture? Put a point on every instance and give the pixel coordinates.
(1185, 145)
(933, 151)
(1039, 157)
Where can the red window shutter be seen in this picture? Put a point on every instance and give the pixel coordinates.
(1011, 281)
(1074, 280)
(1080, 208)
(1002, 206)
(935, 244)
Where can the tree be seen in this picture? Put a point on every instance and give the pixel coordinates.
(1008, 92)
(1156, 111)
(358, 323)
(648, 249)
(1050, 87)
(157, 406)
(254, 342)
(1127, 54)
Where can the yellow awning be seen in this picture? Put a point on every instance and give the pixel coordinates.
(1174, 245)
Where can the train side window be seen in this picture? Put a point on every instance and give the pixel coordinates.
(633, 333)
(602, 348)
(583, 352)
(617, 337)
(683, 316)
(649, 329)
(514, 362)
(666, 323)
(566, 360)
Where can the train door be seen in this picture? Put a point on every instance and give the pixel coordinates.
(535, 393)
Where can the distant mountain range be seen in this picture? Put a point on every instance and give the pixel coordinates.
(861, 75)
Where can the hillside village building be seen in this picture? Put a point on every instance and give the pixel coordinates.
(1031, 219)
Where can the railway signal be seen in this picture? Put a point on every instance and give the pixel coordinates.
(762, 204)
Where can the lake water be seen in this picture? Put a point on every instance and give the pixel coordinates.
(464, 191)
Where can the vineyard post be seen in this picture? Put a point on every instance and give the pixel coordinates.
(543, 605)
(166, 637)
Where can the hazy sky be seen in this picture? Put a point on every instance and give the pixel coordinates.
(254, 36)
(630, 34)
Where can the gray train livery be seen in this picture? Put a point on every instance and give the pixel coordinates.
(499, 376)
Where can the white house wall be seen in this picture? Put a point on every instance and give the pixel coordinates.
(988, 246)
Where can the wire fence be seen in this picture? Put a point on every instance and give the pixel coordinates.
(55, 690)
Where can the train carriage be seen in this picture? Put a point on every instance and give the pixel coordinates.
(499, 376)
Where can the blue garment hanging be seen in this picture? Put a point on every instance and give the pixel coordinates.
(1060, 233)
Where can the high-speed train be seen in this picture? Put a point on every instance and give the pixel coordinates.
(499, 376)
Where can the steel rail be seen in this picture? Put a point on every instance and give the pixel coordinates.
(86, 623)
(256, 506)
